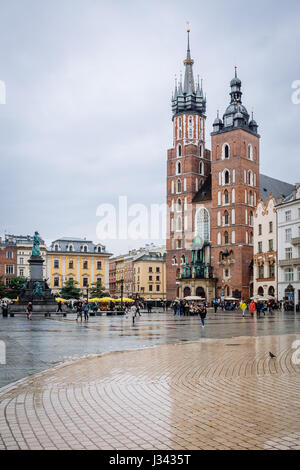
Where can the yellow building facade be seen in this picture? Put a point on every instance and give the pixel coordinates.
(77, 259)
(150, 276)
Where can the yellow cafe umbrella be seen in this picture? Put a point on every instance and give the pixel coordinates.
(126, 299)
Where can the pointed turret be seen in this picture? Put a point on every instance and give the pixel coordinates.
(188, 98)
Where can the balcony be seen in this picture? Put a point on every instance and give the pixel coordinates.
(295, 241)
(289, 262)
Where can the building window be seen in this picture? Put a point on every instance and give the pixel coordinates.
(226, 238)
(226, 197)
(150, 287)
(85, 282)
(289, 275)
(56, 248)
(85, 265)
(158, 288)
(174, 261)
(201, 168)
(259, 229)
(9, 269)
(202, 223)
(56, 264)
(21, 260)
(233, 196)
(288, 253)
(226, 177)
(150, 270)
(288, 234)
(251, 219)
(172, 187)
(270, 227)
(225, 151)
(271, 270)
(150, 278)
(179, 205)
(226, 218)
(158, 278)
(158, 270)
(233, 237)
(179, 150)
(250, 152)
(56, 282)
(259, 247)
(179, 224)
(219, 238)
(178, 169)
(178, 186)
(21, 272)
(271, 245)
(99, 265)
(261, 272)
(9, 255)
(71, 264)
(288, 216)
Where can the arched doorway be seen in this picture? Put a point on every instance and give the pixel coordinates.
(200, 292)
(271, 291)
(186, 292)
(260, 291)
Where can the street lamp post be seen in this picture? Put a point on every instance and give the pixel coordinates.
(87, 292)
(122, 293)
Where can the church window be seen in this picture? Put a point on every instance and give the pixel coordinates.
(233, 216)
(219, 239)
(178, 168)
(178, 186)
(233, 196)
(179, 150)
(179, 205)
(226, 177)
(219, 219)
(233, 236)
(219, 198)
(250, 152)
(202, 223)
(201, 150)
(226, 151)
(226, 218)
(226, 238)
(226, 197)
(179, 224)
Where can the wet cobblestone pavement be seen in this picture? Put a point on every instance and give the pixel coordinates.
(36, 345)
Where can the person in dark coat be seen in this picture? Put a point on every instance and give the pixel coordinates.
(203, 313)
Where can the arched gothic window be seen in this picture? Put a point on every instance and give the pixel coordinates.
(226, 151)
(202, 223)
(226, 177)
(178, 168)
(226, 218)
(250, 152)
(179, 150)
(226, 197)
(179, 224)
(178, 186)
(226, 238)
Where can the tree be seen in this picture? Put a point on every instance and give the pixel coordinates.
(70, 291)
(98, 290)
(15, 285)
(3, 288)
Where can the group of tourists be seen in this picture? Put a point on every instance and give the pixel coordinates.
(186, 308)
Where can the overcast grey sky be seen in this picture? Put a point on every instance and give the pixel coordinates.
(89, 82)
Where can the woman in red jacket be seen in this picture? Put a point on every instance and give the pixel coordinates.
(252, 307)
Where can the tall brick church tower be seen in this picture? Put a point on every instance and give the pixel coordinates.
(188, 169)
(235, 192)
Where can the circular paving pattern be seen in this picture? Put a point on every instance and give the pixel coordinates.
(211, 394)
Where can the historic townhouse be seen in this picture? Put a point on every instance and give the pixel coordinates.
(78, 259)
(288, 216)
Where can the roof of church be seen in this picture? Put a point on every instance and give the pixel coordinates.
(204, 193)
(277, 187)
(267, 185)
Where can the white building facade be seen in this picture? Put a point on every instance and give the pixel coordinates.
(288, 246)
(265, 248)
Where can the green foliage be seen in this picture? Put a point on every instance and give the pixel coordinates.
(15, 286)
(3, 288)
(70, 291)
(97, 290)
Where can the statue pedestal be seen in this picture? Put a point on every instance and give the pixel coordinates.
(36, 268)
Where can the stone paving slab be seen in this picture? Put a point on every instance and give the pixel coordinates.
(211, 394)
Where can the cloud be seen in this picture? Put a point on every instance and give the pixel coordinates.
(88, 86)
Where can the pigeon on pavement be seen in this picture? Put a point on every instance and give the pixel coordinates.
(272, 355)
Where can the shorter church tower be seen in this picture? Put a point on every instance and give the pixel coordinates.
(235, 193)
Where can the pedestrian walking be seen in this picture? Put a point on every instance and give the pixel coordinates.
(216, 305)
(29, 310)
(79, 311)
(4, 309)
(138, 308)
(133, 310)
(252, 307)
(203, 313)
(243, 307)
(85, 309)
(59, 307)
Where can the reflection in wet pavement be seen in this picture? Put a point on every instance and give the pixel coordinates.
(37, 345)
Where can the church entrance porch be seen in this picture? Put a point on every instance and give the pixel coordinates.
(205, 288)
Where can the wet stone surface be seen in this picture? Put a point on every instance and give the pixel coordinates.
(33, 346)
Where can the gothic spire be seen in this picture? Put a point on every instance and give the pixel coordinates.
(189, 85)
